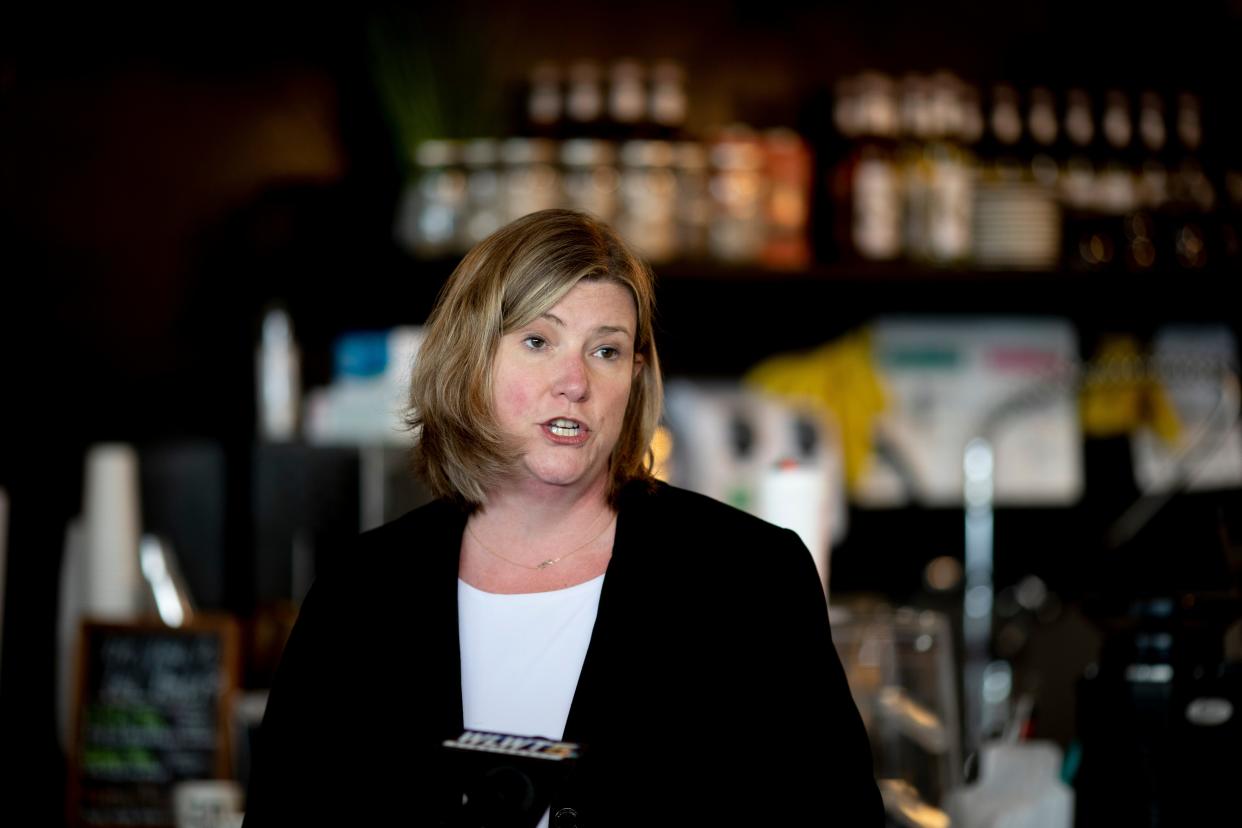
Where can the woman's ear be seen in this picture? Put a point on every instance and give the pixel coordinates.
(638, 365)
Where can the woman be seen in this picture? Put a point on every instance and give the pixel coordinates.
(556, 589)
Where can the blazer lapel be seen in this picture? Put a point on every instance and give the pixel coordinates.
(590, 703)
(593, 712)
(438, 545)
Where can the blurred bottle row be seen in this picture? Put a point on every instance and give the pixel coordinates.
(927, 169)
(628, 99)
(938, 171)
(613, 143)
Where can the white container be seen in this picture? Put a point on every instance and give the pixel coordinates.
(112, 580)
(1019, 787)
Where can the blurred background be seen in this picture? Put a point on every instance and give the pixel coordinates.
(942, 286)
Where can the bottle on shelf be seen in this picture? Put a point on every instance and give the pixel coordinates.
(1086, 249)
(1017, 221)
(667, 102)
(950, 194)
(1002, 159)
(738, 187)
(433, 206)
(867, 183)
(1152, 184)
(836, 216)
(648, 198)
(1116, 191)
(530, 178)
(627, 101)
(971, 125)
(788, 167)
(1043, 134)
(1192, 195)
(483, 213)
(915, 166)
(545, 102)
(589, 177)
(584, 101)
(694, 207)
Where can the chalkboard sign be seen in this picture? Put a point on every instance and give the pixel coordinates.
(152, 707)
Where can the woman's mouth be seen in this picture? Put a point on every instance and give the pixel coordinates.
(565, 428)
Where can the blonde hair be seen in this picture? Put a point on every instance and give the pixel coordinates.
(507, 280)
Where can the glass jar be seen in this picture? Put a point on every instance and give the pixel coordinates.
(530, 181)
(589, 177)
(648, 199)
(484, 212)
(432, 207)
(694, 209)
(738, 190)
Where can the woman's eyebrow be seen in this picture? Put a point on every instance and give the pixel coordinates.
(609, 329)
(605, 329)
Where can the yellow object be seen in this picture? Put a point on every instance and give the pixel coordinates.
(840, 381)
(1118, 397)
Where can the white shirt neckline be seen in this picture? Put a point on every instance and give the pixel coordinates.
(560, 591)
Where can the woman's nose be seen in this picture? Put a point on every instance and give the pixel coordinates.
(571, 378)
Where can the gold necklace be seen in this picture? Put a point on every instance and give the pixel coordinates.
(550, 561)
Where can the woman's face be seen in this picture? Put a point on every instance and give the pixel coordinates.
(562, 382)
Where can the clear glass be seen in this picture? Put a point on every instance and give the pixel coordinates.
(900, 666)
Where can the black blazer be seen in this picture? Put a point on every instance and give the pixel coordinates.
(710, 691)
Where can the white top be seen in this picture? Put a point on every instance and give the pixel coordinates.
(521, 656)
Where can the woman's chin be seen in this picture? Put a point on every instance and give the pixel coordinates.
(560, 476)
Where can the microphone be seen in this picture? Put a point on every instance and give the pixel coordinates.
(506, 781)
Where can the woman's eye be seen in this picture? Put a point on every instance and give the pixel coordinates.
(534, 343)
(608, 352)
